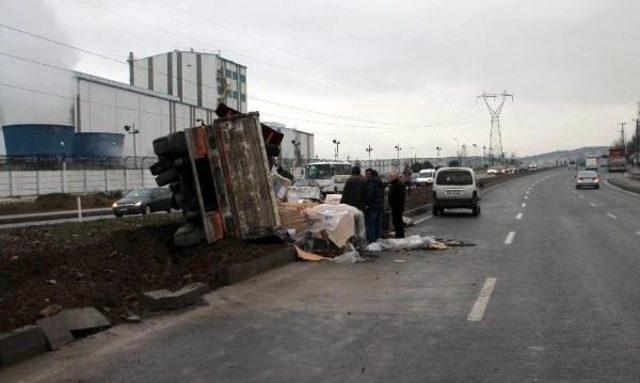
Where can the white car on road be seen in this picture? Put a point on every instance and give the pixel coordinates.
(456, 188)
(425, 176)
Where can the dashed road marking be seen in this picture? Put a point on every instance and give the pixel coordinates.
(479, 307)
(593, 204)
(612, 216)
(581, 196)
(638, 232)
(519, 216)
(509, 239)
(526, 197)
(422, 219)
(524, 204)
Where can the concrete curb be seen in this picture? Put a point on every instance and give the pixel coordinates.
(623, 187)
(245, 270)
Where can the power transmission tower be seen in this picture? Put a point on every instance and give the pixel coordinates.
(495, 108)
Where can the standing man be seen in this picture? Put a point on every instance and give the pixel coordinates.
(397, 196)
(355, 190)
(375, 205)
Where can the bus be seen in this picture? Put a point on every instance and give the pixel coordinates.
(329, 176)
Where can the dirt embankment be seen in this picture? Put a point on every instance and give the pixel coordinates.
(59, 201)
(104, 264)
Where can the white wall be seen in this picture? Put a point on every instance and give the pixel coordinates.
(105, 108)
(36, 182)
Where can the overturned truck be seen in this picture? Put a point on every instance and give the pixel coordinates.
(219, 175)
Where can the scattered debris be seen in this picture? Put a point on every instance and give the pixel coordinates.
(50, 310)
(410, 243)
(400, 260)
(455, 242)
(52, 281)
(133, 318)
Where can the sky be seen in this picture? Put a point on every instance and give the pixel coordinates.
(393, 73)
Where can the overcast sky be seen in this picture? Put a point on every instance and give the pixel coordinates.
(415, 68)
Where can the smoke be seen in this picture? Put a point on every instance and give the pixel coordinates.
(22, 106)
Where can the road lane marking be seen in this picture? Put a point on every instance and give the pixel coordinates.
(524, 204)
(422, 219)
(519, 216)
(581, 196)
(593, 204)
(526, 197)
(612, 216)
(480, 305)
(638, 232)
(509, 239)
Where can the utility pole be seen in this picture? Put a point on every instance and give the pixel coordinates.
(622, 124)
(131, 129)
(337, 143)
(398, 149)
(369, 149)
(495, 108)
(475, 154)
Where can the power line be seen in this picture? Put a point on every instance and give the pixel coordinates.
(265, 43)
(173, 33)
(110, 58)
(72, 72)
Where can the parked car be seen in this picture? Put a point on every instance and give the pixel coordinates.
(425, 176)
(456, 188)
(492, 172)
(587, 179)
(143, 201)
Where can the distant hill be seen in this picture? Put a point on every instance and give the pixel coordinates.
(562, 155)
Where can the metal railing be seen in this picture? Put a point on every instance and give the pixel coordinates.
(17, 163)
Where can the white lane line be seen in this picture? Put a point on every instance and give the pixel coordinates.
(422, 219)
(612, 216)
(519, 216)
(638, 232)
(509, 239)
(526, 197)
(593, 204)
(581, 196)
(477, 311)
(524, 204)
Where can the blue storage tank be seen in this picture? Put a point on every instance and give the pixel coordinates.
(98, 145)
(38, 140)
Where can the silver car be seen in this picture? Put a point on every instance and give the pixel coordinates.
(587, 179)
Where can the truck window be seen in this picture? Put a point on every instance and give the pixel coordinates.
(342, 170)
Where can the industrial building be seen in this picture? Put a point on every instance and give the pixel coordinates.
(296, 143)
(196, 78)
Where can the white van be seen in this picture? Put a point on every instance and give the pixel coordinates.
(425, 176)
(456, 188)
(329, 176)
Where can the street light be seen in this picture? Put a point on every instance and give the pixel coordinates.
(398, 149)
(484, 154)
(438, 149)
(131, 129)
(369, 149)
(297, 152)
(475, 153)
(337, 143)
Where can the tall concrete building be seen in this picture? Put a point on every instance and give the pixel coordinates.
(296, 144)
(196, 78)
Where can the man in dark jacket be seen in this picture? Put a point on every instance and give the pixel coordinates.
(355, 190)
(397, 196)
(375, 205)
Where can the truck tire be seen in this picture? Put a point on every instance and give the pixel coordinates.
(160, 166)
(167, 177)
(172, 145)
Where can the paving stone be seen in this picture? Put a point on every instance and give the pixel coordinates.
(174, 300)
(22, 343)
(84, 320)
(56, 331)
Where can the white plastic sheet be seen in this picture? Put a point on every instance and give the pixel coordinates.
(395, 244)
(338, 223)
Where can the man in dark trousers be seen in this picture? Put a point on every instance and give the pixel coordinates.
(355, 190)
(375, 205)
(397, 196)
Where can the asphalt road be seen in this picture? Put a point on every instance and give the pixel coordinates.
(550, 293)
